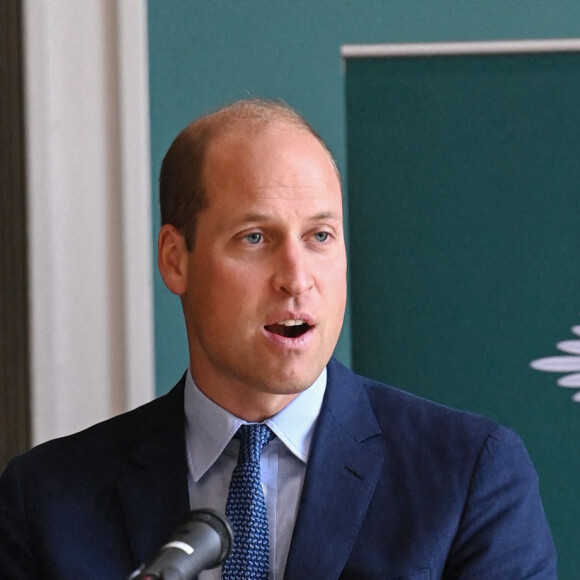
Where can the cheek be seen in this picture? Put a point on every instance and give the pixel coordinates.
(333, 279)
(238, 281)
(231, 289)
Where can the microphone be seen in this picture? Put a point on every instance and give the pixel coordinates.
(202, 541)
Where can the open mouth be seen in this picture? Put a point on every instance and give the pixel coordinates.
(289, 328)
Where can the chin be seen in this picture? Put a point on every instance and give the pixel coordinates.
(290, 383)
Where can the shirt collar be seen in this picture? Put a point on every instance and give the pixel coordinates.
(209, 427)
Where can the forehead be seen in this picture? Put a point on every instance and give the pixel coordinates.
(276, 155)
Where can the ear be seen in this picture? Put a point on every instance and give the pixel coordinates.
(172, 258)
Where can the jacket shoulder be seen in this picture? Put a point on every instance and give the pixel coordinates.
(117, 436)
(418, 420)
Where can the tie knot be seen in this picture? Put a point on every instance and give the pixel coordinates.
(253, 438)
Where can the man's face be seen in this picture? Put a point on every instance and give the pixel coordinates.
(266, 279)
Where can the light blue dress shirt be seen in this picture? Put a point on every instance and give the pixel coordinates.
(212, 455)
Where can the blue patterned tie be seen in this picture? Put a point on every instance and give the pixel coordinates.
(246, 509)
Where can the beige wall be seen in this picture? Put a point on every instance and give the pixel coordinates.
(87, 125)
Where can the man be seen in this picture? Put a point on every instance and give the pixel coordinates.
(359, 480)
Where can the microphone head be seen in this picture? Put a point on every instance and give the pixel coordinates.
(220, 523)
(203, 540)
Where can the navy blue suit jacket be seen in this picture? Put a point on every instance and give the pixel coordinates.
(396, 488)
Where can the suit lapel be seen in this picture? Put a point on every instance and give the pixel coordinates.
(154, 495)
(343, 469)
(342, 472)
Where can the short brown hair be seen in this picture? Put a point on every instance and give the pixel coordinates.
(182, 193)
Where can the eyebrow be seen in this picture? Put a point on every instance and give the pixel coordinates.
(325, 215)
(260, 217)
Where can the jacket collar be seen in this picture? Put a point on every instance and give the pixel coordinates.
(342, 472)
(154, 495)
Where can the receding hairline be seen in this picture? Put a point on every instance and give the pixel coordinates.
(249, 116)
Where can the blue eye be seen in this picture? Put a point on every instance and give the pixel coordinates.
(254, 238)
(321, 236)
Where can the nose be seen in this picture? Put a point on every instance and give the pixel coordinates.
(292, 272)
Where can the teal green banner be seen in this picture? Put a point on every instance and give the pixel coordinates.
(464, 200)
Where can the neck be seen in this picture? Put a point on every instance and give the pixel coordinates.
(254, 408)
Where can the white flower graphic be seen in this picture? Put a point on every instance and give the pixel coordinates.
(569, 363)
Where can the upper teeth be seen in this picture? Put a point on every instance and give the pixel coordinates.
(291, 322)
